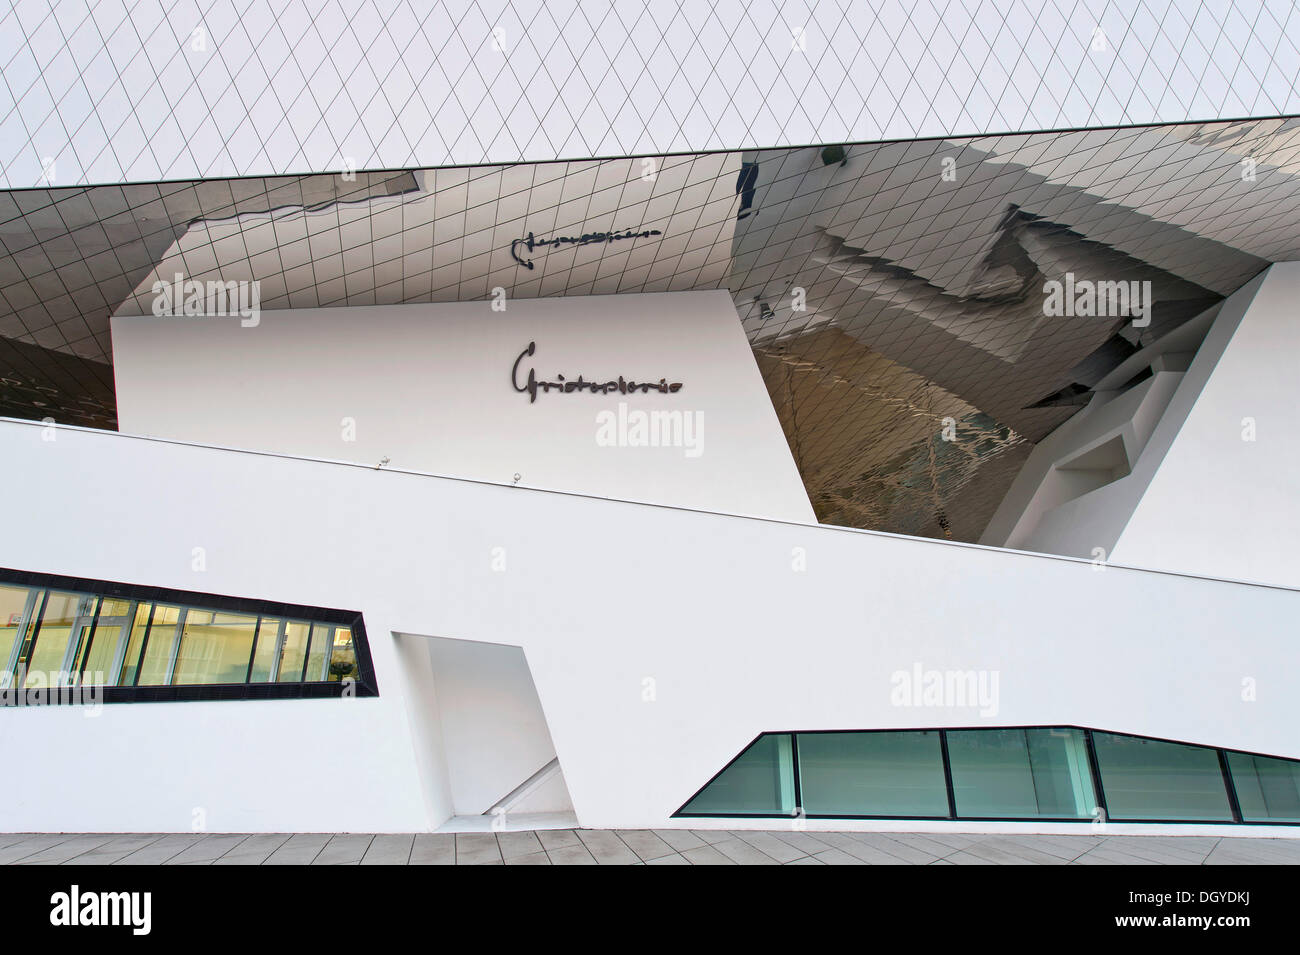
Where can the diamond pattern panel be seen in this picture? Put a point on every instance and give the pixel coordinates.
(143, 91)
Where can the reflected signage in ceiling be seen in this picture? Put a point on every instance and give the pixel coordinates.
(531, 243)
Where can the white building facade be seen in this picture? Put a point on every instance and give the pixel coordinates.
(907, 483)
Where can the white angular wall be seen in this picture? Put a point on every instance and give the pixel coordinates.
(741, 625)
(1225, 500)
(429, 388)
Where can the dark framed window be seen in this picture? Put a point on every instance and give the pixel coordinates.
(64, 639)
(1013, 773)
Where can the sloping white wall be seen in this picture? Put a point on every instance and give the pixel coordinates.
(661, 641)
(429, 388)
(1224, 501)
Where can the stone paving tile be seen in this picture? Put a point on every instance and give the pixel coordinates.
(606, 847)
(346, 848)
(117, 848)
(773, 847)
(555, 838)
(640, 847)
(1006, 853)
(388, 849)
(161, 851)
(679, 839)
(477, 848)
(518, 844)
(848, 843)
(529, 858)
(837, 857)
(571, 855)
(208, 851)
(965, 857)
(433, 848)
(68, 849)
(742, 853)
(706, 855)
(673, 859)
(1282, 850)
(1068, 848)
(899, 850)
(30, 846)
(1233, 852)
(806, 842)
(923, 842)
(645, 844)
(1163, 852)
(299, 849)
(255, 849)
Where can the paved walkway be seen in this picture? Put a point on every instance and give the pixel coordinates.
(637, 847)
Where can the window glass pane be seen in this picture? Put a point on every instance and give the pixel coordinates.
(159, 645)
(321, 636)
(343, 660)
(131, 661)
(1268, 789)
(13, 603)
(268, 646)
(101, 650)
(1148, 779)
(760, 782)
(1021, 773)
(295, 651)
(872, 774)
(215, 648)
(47, 654)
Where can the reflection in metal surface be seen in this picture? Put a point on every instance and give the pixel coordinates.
(894, 297)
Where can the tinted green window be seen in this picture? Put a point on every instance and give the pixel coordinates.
(872, 774)
(1149, 779)
(759, 782)
(1021, 773)
(1268, 790)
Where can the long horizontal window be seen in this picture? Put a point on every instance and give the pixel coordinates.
(1049, 773)
(148, 644)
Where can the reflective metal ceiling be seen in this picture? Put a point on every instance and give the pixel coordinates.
(893, 292)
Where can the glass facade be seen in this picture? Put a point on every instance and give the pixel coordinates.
(136, 639)
(1268, 789)
(1155, 780)
(759, 782)
(1057, 773)
(1021, 773)
(872, 774)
